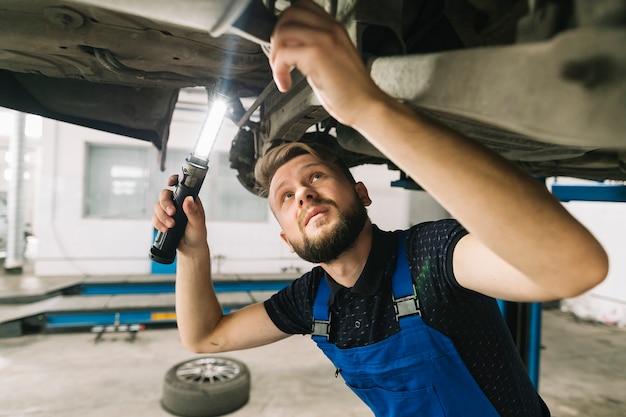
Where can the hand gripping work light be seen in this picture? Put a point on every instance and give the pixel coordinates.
(194, 170)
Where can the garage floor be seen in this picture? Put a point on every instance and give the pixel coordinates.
(69, 375)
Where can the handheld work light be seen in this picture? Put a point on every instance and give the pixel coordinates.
(194, 170)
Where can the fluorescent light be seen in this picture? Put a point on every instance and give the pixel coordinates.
(211, 128)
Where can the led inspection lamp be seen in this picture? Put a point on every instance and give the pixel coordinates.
(194, 170)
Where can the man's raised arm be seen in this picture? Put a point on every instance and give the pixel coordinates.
(523, 244)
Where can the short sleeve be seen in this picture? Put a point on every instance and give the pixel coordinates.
(430, 249)
(290, 309)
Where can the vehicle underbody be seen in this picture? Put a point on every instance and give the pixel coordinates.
(541, 82)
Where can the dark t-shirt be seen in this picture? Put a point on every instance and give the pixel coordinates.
(364, 314)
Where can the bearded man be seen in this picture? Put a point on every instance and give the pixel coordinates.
(409, 318)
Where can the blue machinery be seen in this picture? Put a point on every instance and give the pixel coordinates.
(124, 305)
(154, 315)
(593, 192)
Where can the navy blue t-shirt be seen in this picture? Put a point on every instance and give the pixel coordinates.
(364, 314)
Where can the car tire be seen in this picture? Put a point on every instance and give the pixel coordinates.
(206, 386)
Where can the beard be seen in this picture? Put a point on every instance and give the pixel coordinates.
(329, 245)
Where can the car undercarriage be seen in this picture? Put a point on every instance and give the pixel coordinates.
(541, 82)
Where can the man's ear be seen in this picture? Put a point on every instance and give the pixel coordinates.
(363, 194)
(283, 236)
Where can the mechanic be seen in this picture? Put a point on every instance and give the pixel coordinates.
(409, 318)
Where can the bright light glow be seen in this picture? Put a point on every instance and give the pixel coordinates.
(210, 129)
(7, 123)
(8, 175)
(34, 126)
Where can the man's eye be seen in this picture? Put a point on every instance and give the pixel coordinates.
(316, 176)
(287, 196)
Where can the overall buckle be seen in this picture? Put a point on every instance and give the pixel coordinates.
(320, 328)
(407, 306)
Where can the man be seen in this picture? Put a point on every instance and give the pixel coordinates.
(409, 318)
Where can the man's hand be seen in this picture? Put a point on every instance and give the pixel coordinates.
(201, 323)
(195, 235)
(309, 39)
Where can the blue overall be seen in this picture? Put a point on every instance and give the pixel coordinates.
(415, 372)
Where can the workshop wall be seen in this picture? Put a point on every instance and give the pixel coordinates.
(71, 242)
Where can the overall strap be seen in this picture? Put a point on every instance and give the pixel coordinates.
(405, 299)
(321, 316)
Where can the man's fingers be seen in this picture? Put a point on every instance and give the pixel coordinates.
(190, 207)
(282, 77)
(297, 27)
(294, 48)
(304, 10)
(158, 223)
(166, 202)
(160, 219)
(194, 211)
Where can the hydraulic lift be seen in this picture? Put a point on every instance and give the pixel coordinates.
(123, 304)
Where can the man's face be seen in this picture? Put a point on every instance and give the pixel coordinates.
(320, 211)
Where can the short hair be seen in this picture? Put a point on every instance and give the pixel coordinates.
(276, 157)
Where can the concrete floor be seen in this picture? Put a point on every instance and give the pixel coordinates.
(583, 367)
(582, 374)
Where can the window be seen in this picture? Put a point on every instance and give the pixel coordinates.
(117, 182)
(124, 183)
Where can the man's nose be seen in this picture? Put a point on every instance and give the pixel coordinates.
(305, 195)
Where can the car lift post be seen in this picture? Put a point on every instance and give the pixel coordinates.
(524, 323)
